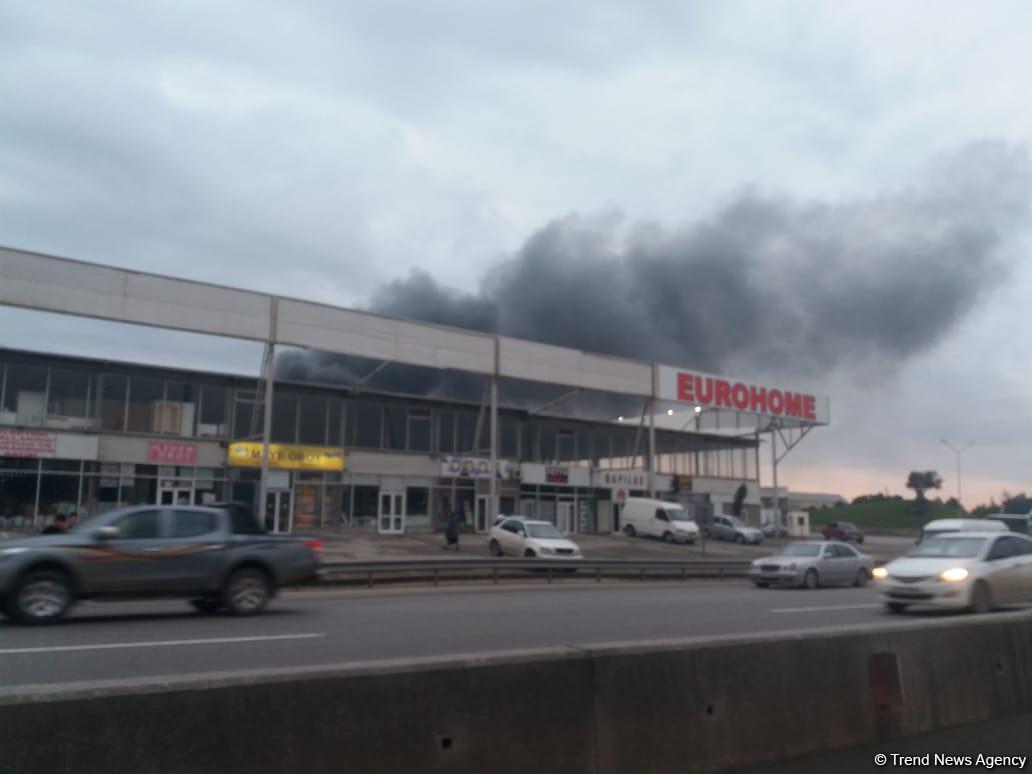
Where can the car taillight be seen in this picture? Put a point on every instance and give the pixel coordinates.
(317, 548)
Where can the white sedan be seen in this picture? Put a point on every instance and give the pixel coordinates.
(976, 571)
(513, 536)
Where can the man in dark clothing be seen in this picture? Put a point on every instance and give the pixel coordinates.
(57, 527)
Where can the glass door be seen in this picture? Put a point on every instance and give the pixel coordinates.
(391, 519)
(565, 518)
(175, 496)
(278, 511)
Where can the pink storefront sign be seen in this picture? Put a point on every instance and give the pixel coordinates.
(168, 452)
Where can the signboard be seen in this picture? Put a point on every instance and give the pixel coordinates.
(621, 479)
(473, 467)
(172, 452)
(30, 444)
(557, 475)
(248, 454)
(676, 384)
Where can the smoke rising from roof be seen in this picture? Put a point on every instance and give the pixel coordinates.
(766, 285)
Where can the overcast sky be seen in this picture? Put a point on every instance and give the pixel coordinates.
(769, 158)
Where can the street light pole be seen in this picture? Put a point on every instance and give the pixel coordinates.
(957, 452)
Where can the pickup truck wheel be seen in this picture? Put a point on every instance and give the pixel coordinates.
(41, 597)
(494, 548)
(246, 592)
(206, 605)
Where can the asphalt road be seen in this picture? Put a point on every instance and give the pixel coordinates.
(162, 638)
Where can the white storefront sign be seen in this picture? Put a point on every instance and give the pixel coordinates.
(473, 467)
(554, 475)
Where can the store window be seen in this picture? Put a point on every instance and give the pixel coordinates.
(113, 389)
(69, 399)
(247, 415)
(367, 417)
(417, 501)
(312, 419)
(213, 420)
(366, 503)
(336, 430)
(446, 432)
(24, 398)
(147, 412)
(181, 409)
(18, 479)
(394, 425)
(547, 441)
(419, 430)
(284, 418)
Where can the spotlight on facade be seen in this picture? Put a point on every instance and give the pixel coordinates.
(619, 419)
(669, 412)
(698, 409)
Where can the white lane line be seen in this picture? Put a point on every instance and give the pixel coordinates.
(814, 609)
(159, 643)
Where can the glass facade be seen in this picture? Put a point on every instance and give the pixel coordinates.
(67, 396)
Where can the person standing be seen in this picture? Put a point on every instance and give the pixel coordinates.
(451, 532)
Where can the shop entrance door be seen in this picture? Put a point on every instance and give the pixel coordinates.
(175, 496)
(279, 511)
(391, 519)
(564, 514)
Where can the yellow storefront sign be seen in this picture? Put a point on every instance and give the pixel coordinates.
(248, 454)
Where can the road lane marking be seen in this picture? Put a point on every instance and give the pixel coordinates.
(159, 643)
(814, 609)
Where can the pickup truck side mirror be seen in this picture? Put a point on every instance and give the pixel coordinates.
(106, 533)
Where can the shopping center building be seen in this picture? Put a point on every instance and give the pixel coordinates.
(85, 435)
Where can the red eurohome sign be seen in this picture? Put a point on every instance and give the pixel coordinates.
(708, 390)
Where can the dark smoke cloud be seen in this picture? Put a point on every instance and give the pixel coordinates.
(766, 285)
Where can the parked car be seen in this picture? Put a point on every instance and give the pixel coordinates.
(515, 536)
(843, 530)
(658, 518)
(811, 564)
(948, 526)
(218, 558)
(1013, 521)
(772, 530)
(732, 528)
(973, 570)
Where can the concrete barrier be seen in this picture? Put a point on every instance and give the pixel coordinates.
(676, 706)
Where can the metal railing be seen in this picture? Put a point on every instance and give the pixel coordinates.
(492, 569)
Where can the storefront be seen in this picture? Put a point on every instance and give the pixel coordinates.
(464, 488)
(613, 487)
(303, 486)
(560, 494)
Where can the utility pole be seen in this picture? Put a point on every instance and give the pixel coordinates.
(957, 452)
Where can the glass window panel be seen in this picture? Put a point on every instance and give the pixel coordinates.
(565, 445)
(446, 432)
(142, 525)
(246, 416)
(466, 429)
(336, 422)
(508, 431)
(312, 425)
(547, 441)
(112, 396)
(417, 500)
(24, 396)
(147, 412)
(419, 430)
(395, 426)
(69, 398)
(284, 418)
(366, 417)
(211, 423)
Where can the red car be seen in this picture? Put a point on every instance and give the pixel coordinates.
(844, 531)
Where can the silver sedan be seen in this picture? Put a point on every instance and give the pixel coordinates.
(811, 564)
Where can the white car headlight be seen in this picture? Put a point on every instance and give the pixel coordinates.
(953, 574)
(879, 573)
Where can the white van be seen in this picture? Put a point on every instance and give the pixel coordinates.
(943, 526)
(658, 518)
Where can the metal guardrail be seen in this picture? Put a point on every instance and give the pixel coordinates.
(481, 569)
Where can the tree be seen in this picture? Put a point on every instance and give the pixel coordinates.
(740, 493)
(922, 481)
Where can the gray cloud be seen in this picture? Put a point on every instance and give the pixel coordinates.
(766, 284)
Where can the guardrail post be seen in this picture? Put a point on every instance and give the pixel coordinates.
(494, 575)
(598, 575)
(684, 573)
(722, 573)
(549, 574)
(643, 573)
(370, 579)
(436, 574)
